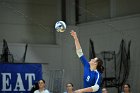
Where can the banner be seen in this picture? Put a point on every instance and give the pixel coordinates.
(19, 78)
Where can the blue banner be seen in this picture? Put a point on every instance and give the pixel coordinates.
(19, 78)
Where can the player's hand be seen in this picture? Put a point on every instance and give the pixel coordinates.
(73, 34)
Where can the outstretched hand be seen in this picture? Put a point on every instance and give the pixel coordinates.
(73, 34)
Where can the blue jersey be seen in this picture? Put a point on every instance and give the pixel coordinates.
(90, 77)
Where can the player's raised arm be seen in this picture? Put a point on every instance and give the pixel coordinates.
(77, 43)
(74, 35)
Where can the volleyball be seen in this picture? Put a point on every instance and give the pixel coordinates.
(60, 26)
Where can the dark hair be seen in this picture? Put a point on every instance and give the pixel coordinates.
(69, 83)
(127, 85)
(42, 80)
(100, 67)
(35, 87)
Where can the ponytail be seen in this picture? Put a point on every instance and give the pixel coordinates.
(100, 67)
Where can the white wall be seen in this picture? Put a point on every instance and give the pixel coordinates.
(29, 21)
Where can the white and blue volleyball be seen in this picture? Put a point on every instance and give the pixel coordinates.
(60, 26)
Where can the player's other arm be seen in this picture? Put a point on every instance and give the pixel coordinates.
(88, 89)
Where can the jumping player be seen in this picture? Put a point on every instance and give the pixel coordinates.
(92, 70)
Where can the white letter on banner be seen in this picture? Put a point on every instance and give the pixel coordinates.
(19, 84)
(29, 78)
(5, 79)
